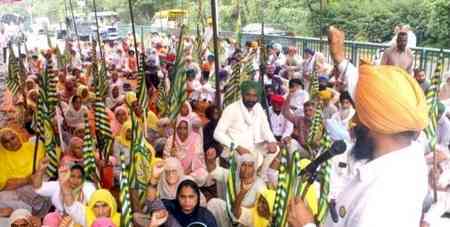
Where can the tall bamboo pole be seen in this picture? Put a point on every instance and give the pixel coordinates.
(216, 51)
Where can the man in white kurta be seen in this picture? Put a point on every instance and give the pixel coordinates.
(245, 128)
(281, 127)
(389, 188)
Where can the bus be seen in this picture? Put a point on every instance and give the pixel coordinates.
(168, 19)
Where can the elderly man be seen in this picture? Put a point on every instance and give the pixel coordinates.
(244, 127)
(23, 218)
(390, 186)
(399, 55)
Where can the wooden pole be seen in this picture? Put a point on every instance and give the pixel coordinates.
(98, 31)
(75, 27)
(134, 32)
(65, 15)
(216, 51)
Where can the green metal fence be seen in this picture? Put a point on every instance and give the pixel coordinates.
(425, 58)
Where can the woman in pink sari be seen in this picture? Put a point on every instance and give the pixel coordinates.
(188, 148)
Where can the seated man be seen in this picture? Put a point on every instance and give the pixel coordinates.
(244, 127)
(281, 127)
(22, 218)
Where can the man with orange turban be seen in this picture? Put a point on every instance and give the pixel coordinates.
(390, 186)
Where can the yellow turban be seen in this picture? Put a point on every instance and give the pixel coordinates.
(326, 95)
(389, 100)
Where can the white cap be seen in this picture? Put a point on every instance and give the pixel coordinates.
(19, 214)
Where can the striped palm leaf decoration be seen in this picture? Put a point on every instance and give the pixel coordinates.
(314, 86)
(42, 111)
(287, 173)
(178, 93)
(102, 123)
(232, 93)
(50, 143)
(324, 179)
(89, 151)
(50, 88)
(126, 212)
(13, 79)
(42, 121)
(140, 165)
(248, 70)
(231, 182)
(314, 131)
(103, 79)
(163, 98)
(142, 93)
(432, 101)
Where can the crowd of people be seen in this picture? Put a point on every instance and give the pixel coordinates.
(386, 177)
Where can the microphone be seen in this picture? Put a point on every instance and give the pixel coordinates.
(337, 148)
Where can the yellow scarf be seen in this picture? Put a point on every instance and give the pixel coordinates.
(104, 196)
(122, 139)
(18, 164)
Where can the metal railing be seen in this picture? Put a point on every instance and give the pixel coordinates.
(424, 58)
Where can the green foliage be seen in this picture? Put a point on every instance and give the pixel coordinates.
(363, 20)
(374, 21)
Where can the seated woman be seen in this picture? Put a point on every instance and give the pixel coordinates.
(74, 153)
(81, 190)
(186, 207)
(188, 148)
(187, 112)
(121, 116)
(150, 120)
(248, 186)
(122, 145)
(74, 114)
(16, 167)
(101, 205)
(169, 179)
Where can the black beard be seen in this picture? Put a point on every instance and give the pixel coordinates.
(364, 148)
(249, 104)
